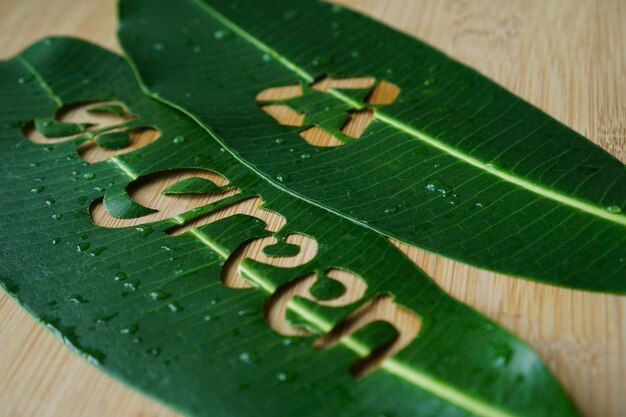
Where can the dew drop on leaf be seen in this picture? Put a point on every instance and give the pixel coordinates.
(613, 209)
(78, 299)
(222, 34)
(130, 329)
(282, 377)
(245, 312)
(158, 295)
(175, 307)
(248, 357)
(120, 276)
(82, 247)
(155, 351)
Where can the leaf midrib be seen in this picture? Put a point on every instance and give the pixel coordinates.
(395, 367)
(600, 212)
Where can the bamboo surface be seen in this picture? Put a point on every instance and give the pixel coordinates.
(567, 57)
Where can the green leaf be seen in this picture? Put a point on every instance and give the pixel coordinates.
(147, 305)
(455, 164)
(52, 128)
(114, 109)
(193, 185)
(113, 140)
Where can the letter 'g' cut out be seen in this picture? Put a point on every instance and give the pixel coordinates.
(103, 130)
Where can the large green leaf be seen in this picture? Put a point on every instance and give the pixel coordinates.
(455, 165)
(150, 308)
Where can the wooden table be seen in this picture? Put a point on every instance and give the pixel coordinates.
(568, 57)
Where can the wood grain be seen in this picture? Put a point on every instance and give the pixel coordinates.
(567, 57)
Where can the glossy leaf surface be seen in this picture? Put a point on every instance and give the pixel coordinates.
(146, 302)
(455, 164)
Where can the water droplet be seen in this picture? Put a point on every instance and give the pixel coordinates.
(56, 241)
(158, 46)
(245, 312)
(248, 357)
(504, 354)
(480, 205)
(158, 295)
(175, 307)
(120, 276)
(305, 156)
(130, 329)
(36, 190)
(214, 301)
(391, 210)
(106, 319)
(50, 202)
(82, 247)
(155, 351)
(209, 317)
(321, 60)
(279, 141)
(89, 176)
(145, 231)
(98, 251)
(282, 178)
(179, 139)
(430, 81)
(266, 57)
(132, 286)
(78, 299)
(57, 216)
(614, 209)
(355, 54)
(196, 49)
(167, 248)
(222, 34)
(283, 376)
